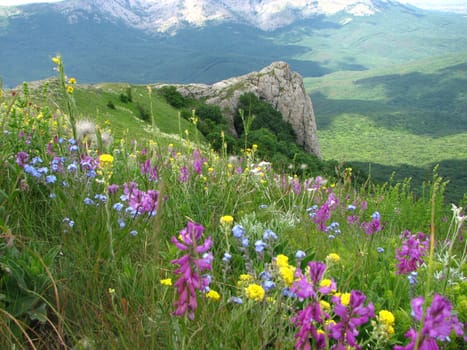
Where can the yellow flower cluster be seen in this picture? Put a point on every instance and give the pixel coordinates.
(387, 320)
(333, 258)
(213, 295)
(345, 298)
(244, 279)
(166, 282)
(106, 161)
(226, 220)
(255, 292)
(286, 271)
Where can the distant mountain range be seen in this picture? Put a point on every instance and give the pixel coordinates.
(142, 41)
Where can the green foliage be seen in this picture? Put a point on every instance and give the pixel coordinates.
(173, 97)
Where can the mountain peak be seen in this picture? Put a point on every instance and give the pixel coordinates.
(171, 15)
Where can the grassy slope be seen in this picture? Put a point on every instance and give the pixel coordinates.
(409, 114)
(91, 103)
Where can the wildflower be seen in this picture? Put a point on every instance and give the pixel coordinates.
(255, 292)
(88, 201)
(213, 295)
(133, 233)
(106, 161)
(72, 81)
(259, 246)
(410, 255)
(236, 300)
(151, 172)
(438, 323)
(184, 174)
(245, 242)
(352, 315)
(111, 291)
(69, 89)
(268, 285)
(118, 206)
(21, 158)
(72, 167)
(238, 231)
(300, 255)
(244, 279)
(269, 235)
(282, 260)
(412, 277)
(387, 320)
(374, 225)
(287, 274)
(112, 189)
(166, 282)
(57, 60)
(380, 250)
(226, 258)
(50, 179)
(226, 220)
(189, 267)
(333, 258)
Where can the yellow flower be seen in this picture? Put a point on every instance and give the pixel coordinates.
(345, 298)
(72, 81)
(386, 317)
(57, 60)
(324, 305)
(326, 282)
(106, 160)
(166, 282)
(255, 292)
(226, 220)
(255, 146)
(111, 291)
(333, 258)
(213, 295)
(282, 260)
(287, 274)
(244, 279)
(69, 89)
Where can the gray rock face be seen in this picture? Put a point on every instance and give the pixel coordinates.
(277, 85)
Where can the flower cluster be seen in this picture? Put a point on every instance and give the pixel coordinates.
(190, 266)
(318, 322)
(374, 225)
(410, 255)
(438, 323)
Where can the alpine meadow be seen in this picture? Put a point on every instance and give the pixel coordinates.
(158, 192)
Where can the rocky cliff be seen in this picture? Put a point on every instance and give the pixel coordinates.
(277, 85)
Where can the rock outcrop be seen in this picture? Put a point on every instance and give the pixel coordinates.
(277, 85)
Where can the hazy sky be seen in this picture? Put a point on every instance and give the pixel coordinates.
(420, 3)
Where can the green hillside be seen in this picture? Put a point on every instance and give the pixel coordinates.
(406, 118)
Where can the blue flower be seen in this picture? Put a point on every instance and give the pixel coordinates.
(226, 258)
(412, 277)
(380, 250)
(288, 293)
(376, 215)
(245, 242)
(300, 254)
(236, 300)
(351, 207)
(269, 235)
(121, 223)
(50, 179)
(260, 245)
(88, 201)
(238, 231)
(73, 148)
(36, 160)
(101, 197)
(43, 170)
(118, 206)
(72, 167)
(263, 206)
(52, 195)
(91, 174)
(268, 285)
(265, 275)
(133, 233)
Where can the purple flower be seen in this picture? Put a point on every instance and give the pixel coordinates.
(374, 225)
(184, 175)
(112, 189)
(410, 255)
(151, 172)
(21, 158)
(269, 235)
(439, 322)
(350, 317)
(50, 179)
(323, 214)
(189, 267)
